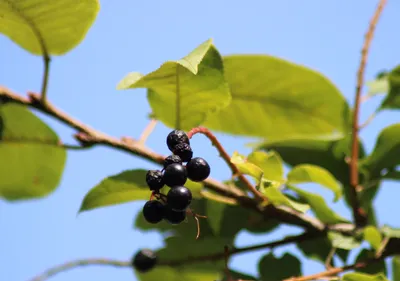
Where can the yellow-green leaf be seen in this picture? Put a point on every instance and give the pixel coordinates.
(363, 277)
(277, 198)
(341, 241)
(32, 160)
(183, 93)
(246, 167)
(56, 26)
(373, 236)
(392, 99)
(270, 163)
(307, 173)
(396, 268)
(277, 99)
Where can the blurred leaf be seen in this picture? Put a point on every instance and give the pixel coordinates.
(396, 268)
(316, 249)
(373, 268)
(277, 198)
(391, 232)
(392, 99)
(341, 241)
(318, 205)
(57, 25)
(268, 95)
(270, 163)
(272, 268)
(385, 153)
(378, 86)
(239, 275)
(363, 277)
(186, 273)
(185, 92)
(307, 173)
(373, 236)
(215, 213)
(32, 162)
(246, 167)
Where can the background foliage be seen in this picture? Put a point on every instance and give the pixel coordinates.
(261, 96)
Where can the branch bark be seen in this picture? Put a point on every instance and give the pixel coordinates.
(359, 214)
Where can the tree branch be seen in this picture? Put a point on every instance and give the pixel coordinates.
(358, 213)
(79, 263)
(89, 136)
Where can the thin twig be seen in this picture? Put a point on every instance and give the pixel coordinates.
(147, 131)
(358, 213)
(89, 136)
(367, 122)
(45, 82)
(79, 263)
(227, 272)
(227, 158)
(178, 99)
(328, 260)
(382, 247)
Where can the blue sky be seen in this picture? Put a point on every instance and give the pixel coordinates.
(139, 36)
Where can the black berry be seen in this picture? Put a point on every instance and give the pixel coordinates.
(154, 179)
(174, 217)
(198, 169)
(153, 211)
(179, 198)
(176, 137)
(144, 260)
(175, 175)
(184, 151)
(171, 160)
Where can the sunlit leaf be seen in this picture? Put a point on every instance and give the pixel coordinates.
(185, 92)
(32, 160)
(341, 241)
(268, 95)
(58, 26)
(391, 232)
(373, 236)
(392, 99)
(246, 167)
(396, 268)
(277, 198)
(363, 277)
(270, 163)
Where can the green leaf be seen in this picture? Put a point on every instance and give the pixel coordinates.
(384, 155)
(272, 268)
(32, 161)
(307, 173)
(318, 206)
(246, 167)
(341, 241)
(270, 163)
(396, 268)
(363, 277)
(391, 232)
(378, 86)
(373, 236)
(215, 213)
(185, 92)
(392, 100)
(268, 95)
(56, 26)
(373, 268)
(277, 198)
(316, 249)
(238, 276)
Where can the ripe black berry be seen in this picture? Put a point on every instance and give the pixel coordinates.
(171, 160)
(144, 260)
(184, 151)
(179, 198)
(198, 169)
(153, 211)
(154, 179)
(174, 217)
(176, 137)
(175, 175)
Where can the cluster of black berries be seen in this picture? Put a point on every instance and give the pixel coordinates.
(172, 207)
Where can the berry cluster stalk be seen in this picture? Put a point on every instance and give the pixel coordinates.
(227, 158)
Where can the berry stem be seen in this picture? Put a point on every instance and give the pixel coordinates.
(227, 158)
(147, 131)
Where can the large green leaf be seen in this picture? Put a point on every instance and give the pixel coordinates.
(385, 153)
(318, 206)
(32, 160)
(183, 93)
(392, 100)
(274, 98)
(272, 268)
(373, 236)
(307, 173)
(270, 163)
(354, 276)
(57, 26)
(246, 167)
(124, 187)
(277, 198)
(396, 268)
